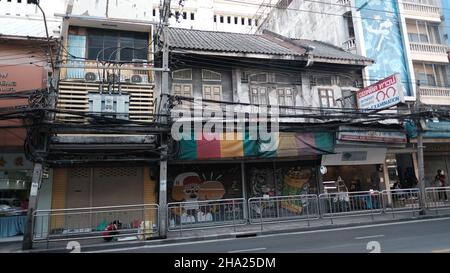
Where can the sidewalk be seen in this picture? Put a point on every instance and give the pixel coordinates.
(270, 228)
(11, 244)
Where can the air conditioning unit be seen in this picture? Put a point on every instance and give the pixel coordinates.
(113, 78)
(140, 63)
(140, 76)
(90, 77)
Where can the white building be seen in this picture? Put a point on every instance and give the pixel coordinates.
(218, 15)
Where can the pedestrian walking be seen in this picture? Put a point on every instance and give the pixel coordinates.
(440, 180)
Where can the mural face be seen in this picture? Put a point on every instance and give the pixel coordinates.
(198, 188)
(383, 40)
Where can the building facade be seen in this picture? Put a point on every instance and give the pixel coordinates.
(407, 37)
(212, 71)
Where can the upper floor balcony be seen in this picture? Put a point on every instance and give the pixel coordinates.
(123, 91)
(350, 45)
(419, 11)
(347, 4)
(435, 95)
(429, 52)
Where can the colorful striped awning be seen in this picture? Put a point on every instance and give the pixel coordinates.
(239, 145)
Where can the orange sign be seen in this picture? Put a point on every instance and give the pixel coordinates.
(22, 78)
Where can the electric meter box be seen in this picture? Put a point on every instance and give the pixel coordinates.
(110, 105)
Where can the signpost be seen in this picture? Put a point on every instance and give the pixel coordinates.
(382, 95)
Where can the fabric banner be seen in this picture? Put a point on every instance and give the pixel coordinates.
(234, 145)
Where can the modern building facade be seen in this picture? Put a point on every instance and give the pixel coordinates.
(406, 37)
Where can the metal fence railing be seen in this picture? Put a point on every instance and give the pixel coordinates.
(346, 204)
(206, 214)
(141, 221)
(283, 208)
(401, 200)
(437, 198)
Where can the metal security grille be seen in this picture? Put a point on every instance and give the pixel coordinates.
(79, 173)
(117, 172)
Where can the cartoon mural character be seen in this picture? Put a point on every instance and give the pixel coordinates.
(296, 182)
(262, 184)
(190, 188)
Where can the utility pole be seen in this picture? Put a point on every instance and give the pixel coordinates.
(420, 156)
(27, 242)
(165, 14)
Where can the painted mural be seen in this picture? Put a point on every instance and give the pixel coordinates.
(383, 40)
(197, 189)
(281, 179)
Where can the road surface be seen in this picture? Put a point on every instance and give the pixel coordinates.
(419, 236)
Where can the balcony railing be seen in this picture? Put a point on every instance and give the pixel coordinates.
(344, 2)
(429, 48)
(422, 9)
(350, 44)
(435, 92)
(138, 72)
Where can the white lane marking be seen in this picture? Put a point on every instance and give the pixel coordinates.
(353, 228)
(369, 237)
(278, 235)
(247, 250)
(159, 246)
(442, 251)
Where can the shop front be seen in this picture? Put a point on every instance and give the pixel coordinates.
(360, 169)
(15, 182)
(367, 160)
(213, 171)
(106, 191)
(437, 157)
(436, 150)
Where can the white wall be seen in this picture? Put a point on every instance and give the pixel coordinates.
(310, 20)
(148, 10)
(22, 19)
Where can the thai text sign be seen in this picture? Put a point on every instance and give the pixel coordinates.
(382, 95)
(21, 78)
(356, 134)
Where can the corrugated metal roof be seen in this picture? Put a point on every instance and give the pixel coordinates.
(228, 42)
(268, 43)
(28, 27)
(329, 51)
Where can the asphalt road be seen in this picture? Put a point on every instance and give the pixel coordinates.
(420, 236)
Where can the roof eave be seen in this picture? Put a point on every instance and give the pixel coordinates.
(241, 55)
(343, 61)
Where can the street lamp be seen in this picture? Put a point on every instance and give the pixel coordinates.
(36, 2)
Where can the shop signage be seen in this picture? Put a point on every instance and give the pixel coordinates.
(21, 78)
(382, 95)
(363, 135)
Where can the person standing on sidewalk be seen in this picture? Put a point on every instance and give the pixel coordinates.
(440, 179)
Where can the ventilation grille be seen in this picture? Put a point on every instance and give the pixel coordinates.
(117, 172)
(79, 172)
(73, 96)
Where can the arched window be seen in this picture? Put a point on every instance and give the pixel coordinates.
(259, 78)
(208, 75)
(182, 74)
